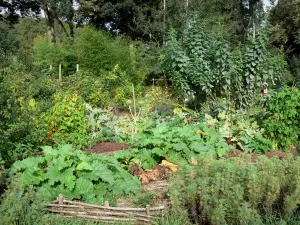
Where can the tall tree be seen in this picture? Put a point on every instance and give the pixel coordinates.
(285, 17)
(148, 20)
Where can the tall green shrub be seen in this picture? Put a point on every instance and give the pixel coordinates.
(282, 119)
(65, 122)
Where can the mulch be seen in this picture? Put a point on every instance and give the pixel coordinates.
(108, 148)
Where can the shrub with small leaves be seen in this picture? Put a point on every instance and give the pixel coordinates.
(282, 119)
(66, 123)
(234, 192)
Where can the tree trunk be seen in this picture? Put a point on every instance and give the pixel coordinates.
(49, 20)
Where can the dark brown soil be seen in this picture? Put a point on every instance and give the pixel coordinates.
(272, 153)
(106, 148)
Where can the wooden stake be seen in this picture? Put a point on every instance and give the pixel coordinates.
(59, 73)
(148, 210)
(77, 68)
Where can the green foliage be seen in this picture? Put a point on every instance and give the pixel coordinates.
(27, 30)
(45, 54)
(204, 63)
(176, 142)
(248, 136)
(144, 199)
(282, 117)
(103, 127)
(23, 98)
(174, 218)
(21, 205)
(8, 44)
(254, 143)
(76, 175)
(66, 123)
(100, 53)
(234, 192)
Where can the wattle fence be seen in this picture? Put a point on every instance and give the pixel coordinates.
(74, 209)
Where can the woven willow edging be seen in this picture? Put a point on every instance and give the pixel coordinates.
(105, 213)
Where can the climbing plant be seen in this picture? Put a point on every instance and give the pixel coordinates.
(203, 62)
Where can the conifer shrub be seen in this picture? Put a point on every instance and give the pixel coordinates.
(235, 192)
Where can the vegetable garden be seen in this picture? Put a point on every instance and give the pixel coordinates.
(176, 132)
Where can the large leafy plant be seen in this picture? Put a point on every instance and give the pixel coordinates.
(102, 126)
(282, 119)
(176, 142)
(23, 97)
(76, 175)
(203, 62)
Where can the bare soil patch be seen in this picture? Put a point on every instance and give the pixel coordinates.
(108, 148)
(253, 156)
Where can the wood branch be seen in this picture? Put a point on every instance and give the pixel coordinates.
(84, 215)
(115, 208)
(62, 25)
(129, 214)
(98, 213)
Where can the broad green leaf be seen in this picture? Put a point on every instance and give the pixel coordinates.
(180, 147)
(65, 149)
(30, 163)
(84, 186)
(30, 177)
(84, 166)
(103, 172)
(47, 192)
(54, 174)
(100, 189)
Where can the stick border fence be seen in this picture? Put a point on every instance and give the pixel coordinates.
(106, 213)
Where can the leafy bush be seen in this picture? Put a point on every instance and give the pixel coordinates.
(175, 142)
(76, 175)
(234, 192)
(282, 119)
(8, 44)
(23, 97)
(103, 127)
(248, 136)
(99, 53)
(66, 123)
